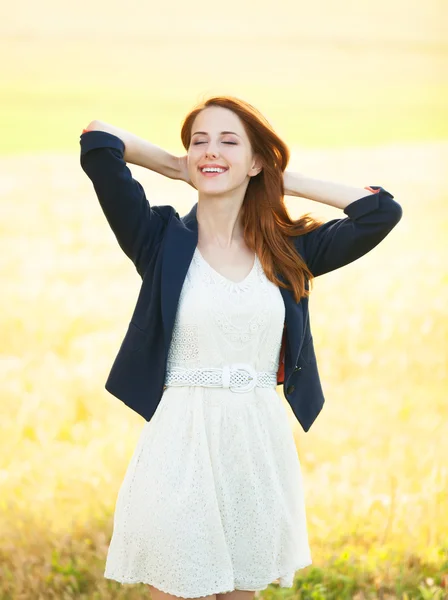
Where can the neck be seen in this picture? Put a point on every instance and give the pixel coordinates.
(219, 223)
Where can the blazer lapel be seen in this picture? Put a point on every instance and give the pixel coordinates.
(293, 319)
(180, 242)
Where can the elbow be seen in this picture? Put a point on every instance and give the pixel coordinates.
(391, 209)
(396, 212)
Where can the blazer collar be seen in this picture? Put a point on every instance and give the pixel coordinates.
(190, 219)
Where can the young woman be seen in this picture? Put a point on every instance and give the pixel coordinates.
(212, 503)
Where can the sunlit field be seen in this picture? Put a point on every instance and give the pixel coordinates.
(375, 462)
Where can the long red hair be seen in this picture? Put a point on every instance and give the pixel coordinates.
(267, 225)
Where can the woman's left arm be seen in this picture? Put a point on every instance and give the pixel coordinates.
(371, 214)
(326, 192)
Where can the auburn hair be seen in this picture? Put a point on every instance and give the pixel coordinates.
(267, 226)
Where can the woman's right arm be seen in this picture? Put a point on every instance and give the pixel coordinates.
(137, 226)
(141, 152)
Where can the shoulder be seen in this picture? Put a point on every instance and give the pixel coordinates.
(165, 211)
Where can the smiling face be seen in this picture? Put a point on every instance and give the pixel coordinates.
(219, 139)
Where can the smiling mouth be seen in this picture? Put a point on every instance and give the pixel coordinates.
(212, 173)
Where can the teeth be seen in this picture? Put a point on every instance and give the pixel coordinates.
(212, 170)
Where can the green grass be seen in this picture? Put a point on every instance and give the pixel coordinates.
(50, 118)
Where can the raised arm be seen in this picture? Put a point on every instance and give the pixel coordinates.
(141, 152)
(339, 242)
(332, 193)
(137, 226)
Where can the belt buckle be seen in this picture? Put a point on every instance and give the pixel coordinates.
(252, 378)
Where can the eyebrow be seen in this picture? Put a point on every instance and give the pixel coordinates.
(205, 133)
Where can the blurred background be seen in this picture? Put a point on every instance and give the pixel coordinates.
(359, 92)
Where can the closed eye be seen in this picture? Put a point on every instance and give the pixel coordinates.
(232, 143)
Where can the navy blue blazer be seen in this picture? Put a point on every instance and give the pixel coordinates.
(161, 245)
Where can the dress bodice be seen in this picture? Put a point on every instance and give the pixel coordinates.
(219, 321)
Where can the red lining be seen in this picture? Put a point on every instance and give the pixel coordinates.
(281, 365)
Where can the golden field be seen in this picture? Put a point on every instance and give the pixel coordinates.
(366, 107)
(375, 460)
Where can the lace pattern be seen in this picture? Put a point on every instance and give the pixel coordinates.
(236, 319)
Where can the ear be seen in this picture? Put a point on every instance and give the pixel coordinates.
(257, 166)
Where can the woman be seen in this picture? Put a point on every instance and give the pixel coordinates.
(212, 502)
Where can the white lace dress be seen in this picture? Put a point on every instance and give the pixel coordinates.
(212, 499)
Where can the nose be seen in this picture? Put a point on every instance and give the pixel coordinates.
(211, 150)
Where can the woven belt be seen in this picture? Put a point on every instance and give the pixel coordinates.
(237, 377)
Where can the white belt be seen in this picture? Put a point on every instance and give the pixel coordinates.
(237, 377)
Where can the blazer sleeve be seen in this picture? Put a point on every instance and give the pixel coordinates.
(341, 241)
(137, 227)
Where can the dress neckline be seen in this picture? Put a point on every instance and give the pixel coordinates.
(226, 279)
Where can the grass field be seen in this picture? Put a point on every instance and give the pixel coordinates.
(358, 104)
